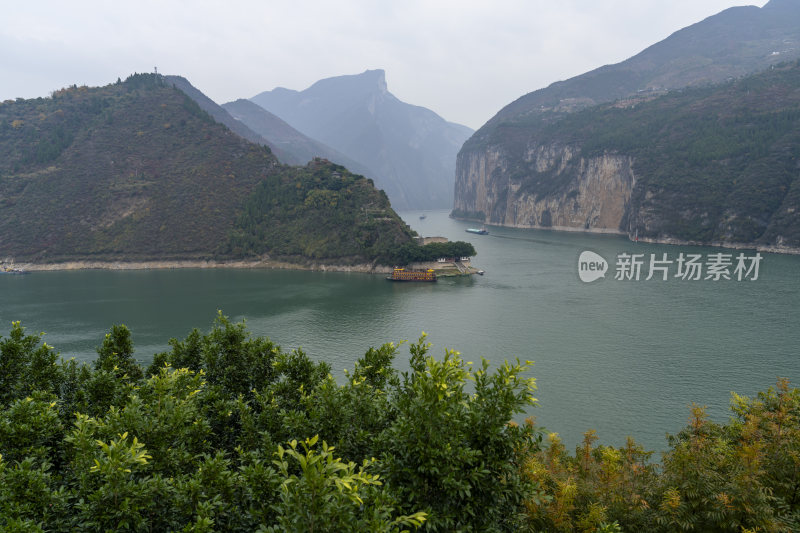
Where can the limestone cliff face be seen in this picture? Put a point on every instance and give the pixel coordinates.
(563, 156)
(549, 186)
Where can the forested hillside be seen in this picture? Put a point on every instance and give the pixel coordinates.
(318, 212)
(717, 164)
(137, 171)
(691, 140)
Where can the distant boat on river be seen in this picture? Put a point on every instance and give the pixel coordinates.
(482, 231)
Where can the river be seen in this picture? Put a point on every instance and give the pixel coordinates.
(623, 357)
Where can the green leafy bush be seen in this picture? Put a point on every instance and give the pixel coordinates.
(226, 432)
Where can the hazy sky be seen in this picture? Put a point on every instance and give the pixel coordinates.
(463, 59)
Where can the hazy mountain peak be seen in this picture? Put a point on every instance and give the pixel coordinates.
(410, 149)
(349, 86)
(380, 78)
(300, 148)
(783, 5)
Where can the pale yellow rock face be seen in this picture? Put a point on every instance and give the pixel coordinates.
(593, 194)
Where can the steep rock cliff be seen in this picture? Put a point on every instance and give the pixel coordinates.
(649, 147)
(715, 165)
(584, 194)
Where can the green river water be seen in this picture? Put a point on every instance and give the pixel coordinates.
(621, 357)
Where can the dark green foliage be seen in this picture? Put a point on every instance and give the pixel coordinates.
(29, 498)
(228, 356)
(453, 453)
(320, 212)
(202, 447)
(412, 252)
(30, 427)
(712, 164)
(116, 355)
(284, 447)
(138, 171)
(179, 449)
(26, 364)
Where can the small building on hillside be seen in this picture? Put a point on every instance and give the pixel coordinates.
(447, 266)
(453, 260)
(444, 266)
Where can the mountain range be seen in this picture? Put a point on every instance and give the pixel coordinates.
(409, 150)
(138, 171)
(289, 145)
(644, 146)
(695, 139)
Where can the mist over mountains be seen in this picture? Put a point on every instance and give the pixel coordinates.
(693, 139)
(409, 150)
(733, 43)
(290, 145)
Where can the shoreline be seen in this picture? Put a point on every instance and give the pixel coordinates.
(786, 250)
(266, 264)
(199, 263)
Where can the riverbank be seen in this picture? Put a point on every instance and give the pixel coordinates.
(152, 265)
(775, 249)
(263, 264)
(729, 245)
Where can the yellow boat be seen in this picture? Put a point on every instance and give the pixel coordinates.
(401, 274)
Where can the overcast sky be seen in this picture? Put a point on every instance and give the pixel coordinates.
(464, 60)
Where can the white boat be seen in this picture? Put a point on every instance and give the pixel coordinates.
(482, 231)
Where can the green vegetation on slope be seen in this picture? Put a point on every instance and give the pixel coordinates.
(131, 171)
(731, 44)
(323, 212)
(712, 164)
(137, 171)
(226, 432)
(318, 212)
